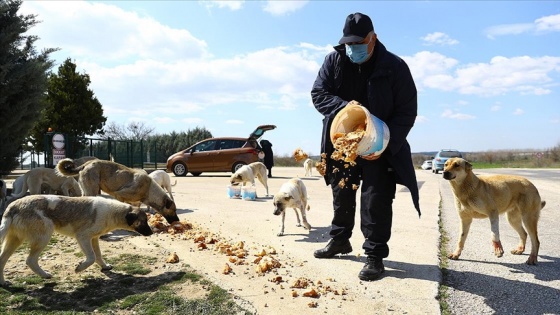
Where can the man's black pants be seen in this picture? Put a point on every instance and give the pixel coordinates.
(378, 186)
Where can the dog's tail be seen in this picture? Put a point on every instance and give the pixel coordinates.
(66, 167)
(23, 191)
(174, 183)
(5, 227)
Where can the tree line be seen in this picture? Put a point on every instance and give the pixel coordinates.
(34, 100)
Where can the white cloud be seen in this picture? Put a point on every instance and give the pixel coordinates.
(448, 113)
(421, 119)
(439, 38)
(85, 26)
(544, 24)
(501, 75)
(232, 5)
(283, 7)
(495, 108)
(518, 111)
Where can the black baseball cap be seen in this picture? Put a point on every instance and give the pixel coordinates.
(356, 28)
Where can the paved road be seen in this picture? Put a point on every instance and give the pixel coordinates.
(480, 283)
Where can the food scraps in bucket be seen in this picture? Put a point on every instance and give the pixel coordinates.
(346, 144)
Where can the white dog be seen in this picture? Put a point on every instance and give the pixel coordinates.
(292, 194)
(42, 179)
(162, 178)
(308, 166)
(247, 174)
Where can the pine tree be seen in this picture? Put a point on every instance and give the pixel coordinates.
(23, 82)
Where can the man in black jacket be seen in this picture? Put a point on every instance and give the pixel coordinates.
(362, 69)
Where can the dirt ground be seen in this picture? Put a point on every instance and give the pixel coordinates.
(233, 243)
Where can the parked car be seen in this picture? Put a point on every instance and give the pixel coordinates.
(427, 165)
(443, 155)
(224, 154)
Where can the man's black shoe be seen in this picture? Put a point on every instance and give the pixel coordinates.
(333, 248)
(372, 270)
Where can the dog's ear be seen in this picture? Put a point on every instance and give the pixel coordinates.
(468, 166)
(168, 203)
(288, 197)
(131, 217)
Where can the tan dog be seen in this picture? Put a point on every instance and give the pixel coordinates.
(162, 178)
(123, 183)
(292, 194)
(247, 174)
(36, 179)
(308, 166)
(35, 218)
(488, 197)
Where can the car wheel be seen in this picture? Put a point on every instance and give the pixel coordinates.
(237, 166)
(196, 174)
(437, 172)
(180, 169)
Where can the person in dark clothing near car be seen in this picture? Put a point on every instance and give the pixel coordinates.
(360, 68)
(268, 156)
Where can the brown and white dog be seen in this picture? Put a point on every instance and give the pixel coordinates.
(247, 173)
(478, 197)
(292, 194)
(35, 218)
(123, 183)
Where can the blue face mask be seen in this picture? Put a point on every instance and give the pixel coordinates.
(357, 53)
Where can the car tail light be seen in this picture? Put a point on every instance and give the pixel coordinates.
(254, 151)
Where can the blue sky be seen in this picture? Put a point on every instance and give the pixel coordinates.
(487, 73)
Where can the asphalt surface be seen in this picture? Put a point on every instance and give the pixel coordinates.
(478, 283)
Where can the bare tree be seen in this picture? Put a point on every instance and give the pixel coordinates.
(135, 131)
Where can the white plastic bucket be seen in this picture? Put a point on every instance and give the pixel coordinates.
(234, 191)
(248, 193)
(376, 135)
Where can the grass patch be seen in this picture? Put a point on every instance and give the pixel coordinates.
(127, 289)
(443, 290)
(132, 264)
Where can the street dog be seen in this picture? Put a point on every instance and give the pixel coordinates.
(292, 194)
(478, 197)
(37, 179)
(247, 174)
(35, 218)
(308, 166)
(123, 183)
(163, 179)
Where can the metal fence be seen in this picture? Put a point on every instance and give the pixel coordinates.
(135, 154)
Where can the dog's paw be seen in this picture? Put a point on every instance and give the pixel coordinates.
(46, 275)
(518, 251)
(498, 249)
(532, 260)
(307, 226)
(106, 267)
(453, 256)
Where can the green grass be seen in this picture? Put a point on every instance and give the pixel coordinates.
(443, 294)
(123, 292)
